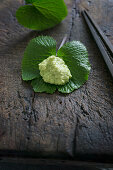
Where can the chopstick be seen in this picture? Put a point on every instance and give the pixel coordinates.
(105, 46)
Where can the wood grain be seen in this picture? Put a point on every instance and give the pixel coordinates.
(40, 123)
(57, 125)
(94, 129)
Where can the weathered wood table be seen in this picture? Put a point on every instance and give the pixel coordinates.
(78, 125)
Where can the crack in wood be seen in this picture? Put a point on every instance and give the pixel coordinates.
(75, 137)
(75, 14)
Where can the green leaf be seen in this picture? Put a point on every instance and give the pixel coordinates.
(42, 14)
(40, 86)
(73, 53)
(30, 1)
(75, 56)
(37, 50)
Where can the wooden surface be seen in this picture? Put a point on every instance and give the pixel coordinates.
(76, 125)
(47, 164)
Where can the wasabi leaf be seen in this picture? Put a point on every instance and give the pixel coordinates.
(75, 56)
(73, 53)
(40, 86)
(41, 14)
(30, 1)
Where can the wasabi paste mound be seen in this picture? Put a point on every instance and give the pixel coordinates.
(54, 71)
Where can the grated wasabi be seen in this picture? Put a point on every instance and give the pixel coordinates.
(54, 71)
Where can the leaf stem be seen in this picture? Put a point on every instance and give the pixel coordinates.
(63, 41)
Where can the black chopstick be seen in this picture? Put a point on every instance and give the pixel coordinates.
(102, 41)
(106, 41)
